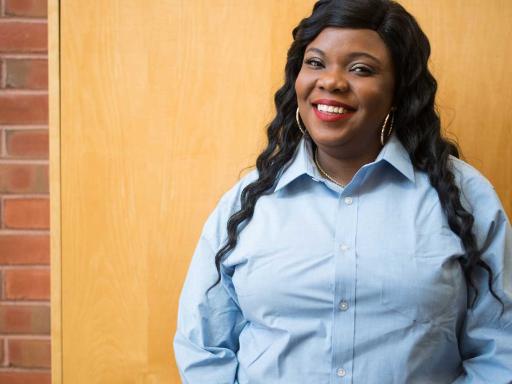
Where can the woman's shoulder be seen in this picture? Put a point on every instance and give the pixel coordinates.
(228, 204)
(478, 196)
(472, 183)
(230, 200)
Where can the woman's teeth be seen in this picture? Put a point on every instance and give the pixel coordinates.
(331, 109)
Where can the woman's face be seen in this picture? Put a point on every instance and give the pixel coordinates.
(351, 71)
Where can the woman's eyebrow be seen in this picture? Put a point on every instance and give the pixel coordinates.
(350, 56)
(353, 55)
(317, 50)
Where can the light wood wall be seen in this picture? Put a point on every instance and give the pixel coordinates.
(157, 108)
(471, 56)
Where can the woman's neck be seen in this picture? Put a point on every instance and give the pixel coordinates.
(342, 168)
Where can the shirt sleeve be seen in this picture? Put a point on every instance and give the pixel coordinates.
(209, 323)
(486, 340)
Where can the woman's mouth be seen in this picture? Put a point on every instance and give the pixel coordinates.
(332, 112)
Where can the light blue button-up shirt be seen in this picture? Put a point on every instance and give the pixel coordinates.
(353, 285)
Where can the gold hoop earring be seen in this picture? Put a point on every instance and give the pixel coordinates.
(383, 130)
(297, 117)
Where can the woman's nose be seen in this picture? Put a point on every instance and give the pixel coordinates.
(333, 81)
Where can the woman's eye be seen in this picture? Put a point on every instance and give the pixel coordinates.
(361, 69)
(313, 62)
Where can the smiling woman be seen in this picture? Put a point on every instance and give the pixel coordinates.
(349, 69)
(362, 249)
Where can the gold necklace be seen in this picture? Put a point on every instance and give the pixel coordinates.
(322, 171)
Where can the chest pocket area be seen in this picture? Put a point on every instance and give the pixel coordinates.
(426, 286)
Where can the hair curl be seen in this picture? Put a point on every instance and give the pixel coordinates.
(416, 120)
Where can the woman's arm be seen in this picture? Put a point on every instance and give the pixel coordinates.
(486, 339)
(206, 340)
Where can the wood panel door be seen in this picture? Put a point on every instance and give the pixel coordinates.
(156, 107)
(471, 56)
(163, 103)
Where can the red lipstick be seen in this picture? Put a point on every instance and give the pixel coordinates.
(334, 103)
(331, 116)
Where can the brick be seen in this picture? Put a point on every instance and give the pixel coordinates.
(29, 353)
(25, 319)
(26, 8)
(27, 143)
(2, 356)
(27, 284)
(26, 74)
(24, 178)
(25, 377)
(23, 109)
(24, 249)
(27, 213)
(19, 36)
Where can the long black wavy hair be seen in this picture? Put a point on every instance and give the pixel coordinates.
(416, 121)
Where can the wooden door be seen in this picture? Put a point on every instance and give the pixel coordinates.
(163, 103)
(156, 107)
(471, 55)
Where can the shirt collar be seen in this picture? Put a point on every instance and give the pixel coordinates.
(302, 162)
(396, 155)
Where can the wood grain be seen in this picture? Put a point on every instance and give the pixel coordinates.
(471, 55)
(55, 185)
(163, 103)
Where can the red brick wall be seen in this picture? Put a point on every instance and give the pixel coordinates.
(24, 203)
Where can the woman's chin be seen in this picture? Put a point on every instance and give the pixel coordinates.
(330, 138)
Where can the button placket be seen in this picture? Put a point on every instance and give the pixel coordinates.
(345, 278)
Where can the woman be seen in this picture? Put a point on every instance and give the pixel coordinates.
(362, 250)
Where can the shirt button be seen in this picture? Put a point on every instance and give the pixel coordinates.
(344, 247)
(343, 305)
(341, 372)
(348, 200)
